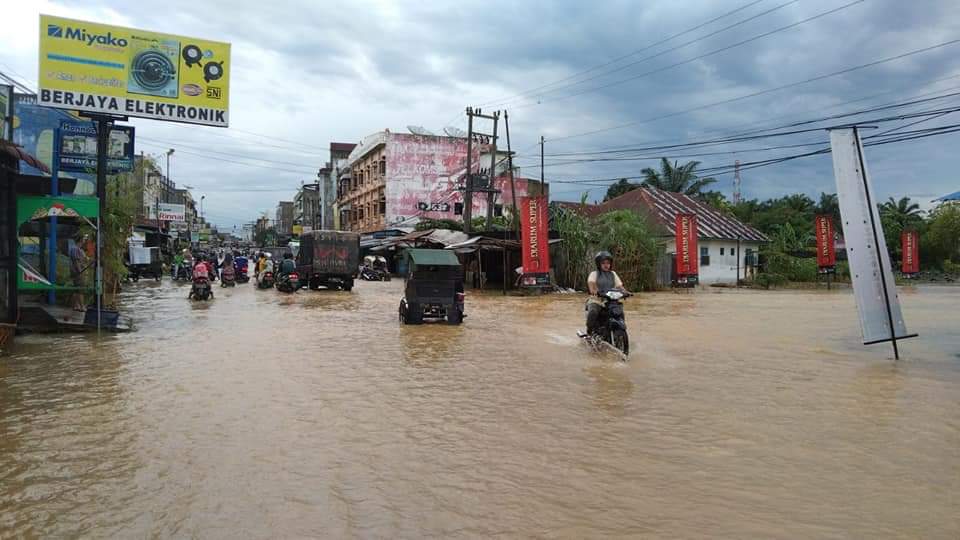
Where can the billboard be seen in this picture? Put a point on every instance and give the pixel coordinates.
(826, 254)
(78, 147)
(99, 68)
(872, 275)
(172, 212)
(686, 238)
(424, 174)
(6, 112)
(910, 244)
(34, 130)
(533, 235)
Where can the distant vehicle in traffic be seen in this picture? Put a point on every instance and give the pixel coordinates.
(328, 259)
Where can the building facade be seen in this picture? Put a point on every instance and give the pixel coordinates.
(397, 179)
(283, 221)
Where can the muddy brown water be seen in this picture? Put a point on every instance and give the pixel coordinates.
(741, 414)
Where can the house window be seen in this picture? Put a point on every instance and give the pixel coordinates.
(458, 209)
(704, 256)
(498, 210)
(733, 251)
(721, 252)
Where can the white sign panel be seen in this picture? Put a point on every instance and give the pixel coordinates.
(172, 212)
(865, 244)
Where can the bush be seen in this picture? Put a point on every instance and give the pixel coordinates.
(769, 279)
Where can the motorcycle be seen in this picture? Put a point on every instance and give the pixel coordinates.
(228, 276)
(240, 267)
(266, 281)
(288, 283)
(201, 289)
(184, 272)
(611, 326)
(371, 274)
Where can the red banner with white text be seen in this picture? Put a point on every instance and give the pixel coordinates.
(910, 244)
(686, 235)
(533, 227)
(826, 252)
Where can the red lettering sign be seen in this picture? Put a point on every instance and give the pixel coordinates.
(910, 244)
(826, 254)
(533, 235)
(688, 263)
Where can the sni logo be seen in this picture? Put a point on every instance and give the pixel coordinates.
(55, 30)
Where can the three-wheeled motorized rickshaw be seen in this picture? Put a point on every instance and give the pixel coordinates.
(434, 287)
(144, 262)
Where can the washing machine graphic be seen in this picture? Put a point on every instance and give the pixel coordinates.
(153, 68)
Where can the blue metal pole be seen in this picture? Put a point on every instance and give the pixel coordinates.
(52, 242)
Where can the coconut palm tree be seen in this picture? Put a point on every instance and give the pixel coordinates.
(676, 178)
(902, 212)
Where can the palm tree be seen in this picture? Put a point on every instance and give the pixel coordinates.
(676, 178)
(902, 212)
(830, 206)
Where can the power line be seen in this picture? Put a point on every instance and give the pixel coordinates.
(628, 55)
(702, 56)
(175, 146)
(223, 160)
(762, 92)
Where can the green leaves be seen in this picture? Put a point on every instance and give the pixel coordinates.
(676, 178)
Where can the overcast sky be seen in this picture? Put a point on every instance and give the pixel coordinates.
(306, 73)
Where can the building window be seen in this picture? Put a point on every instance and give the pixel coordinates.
(733, 251)
(458, 209)
(704, 256)
(721, 252)
(383, 165)
(498, 210)
(383, 205)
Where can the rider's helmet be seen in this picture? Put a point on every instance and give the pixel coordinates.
(288, 255)
(601, 256)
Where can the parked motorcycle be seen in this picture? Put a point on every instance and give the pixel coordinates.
(611, 326)
(266, 281)
(201, 289)
(288, 283)
(184, 272)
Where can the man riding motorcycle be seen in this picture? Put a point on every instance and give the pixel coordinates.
(599, 281)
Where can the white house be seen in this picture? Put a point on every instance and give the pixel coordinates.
(722, 239)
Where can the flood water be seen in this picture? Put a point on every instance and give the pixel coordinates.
(741, 414)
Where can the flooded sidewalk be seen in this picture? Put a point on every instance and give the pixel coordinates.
(741, 414)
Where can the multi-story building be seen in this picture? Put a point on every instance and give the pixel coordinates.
(283, 223)
(339, 155)
(396, 179)
(306, 205)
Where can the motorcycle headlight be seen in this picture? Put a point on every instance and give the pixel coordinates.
(614, 295)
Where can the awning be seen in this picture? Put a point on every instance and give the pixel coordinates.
(18, 153)
(955, 196)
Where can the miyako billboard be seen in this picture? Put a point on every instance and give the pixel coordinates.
(100, 68)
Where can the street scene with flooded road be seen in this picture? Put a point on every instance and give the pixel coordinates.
(317, 414)
(667, 269)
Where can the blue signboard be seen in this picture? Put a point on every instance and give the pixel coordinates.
(33, 129)
(78, 147)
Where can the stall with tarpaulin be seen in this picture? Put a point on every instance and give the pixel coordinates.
(393, 248)
(36, 216)
(489, 260)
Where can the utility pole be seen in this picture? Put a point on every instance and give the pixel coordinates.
(542, 181)
(513, 189)
(736, 182)
(470, 186)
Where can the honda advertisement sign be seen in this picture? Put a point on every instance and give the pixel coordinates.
(910, 244)
(535, 242)
(826, 254)
(686, 236)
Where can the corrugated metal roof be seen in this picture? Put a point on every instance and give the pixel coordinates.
(663, 207)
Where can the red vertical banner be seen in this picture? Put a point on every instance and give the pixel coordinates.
(534, 240)
(688, 263)
(826, 253)
(910, 244)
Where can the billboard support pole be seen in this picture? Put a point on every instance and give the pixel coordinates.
(468, 194)
(876, 242)
(52, 239)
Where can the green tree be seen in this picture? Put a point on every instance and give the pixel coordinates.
(896, 217)
(618, 188)
(830, 206)
(943, 234)
(717, 200)
(676, 178)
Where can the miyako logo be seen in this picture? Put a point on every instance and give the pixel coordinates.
(81, 34)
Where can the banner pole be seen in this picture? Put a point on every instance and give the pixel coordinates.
(876, 242)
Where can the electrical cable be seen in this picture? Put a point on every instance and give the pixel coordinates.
(761, 92)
